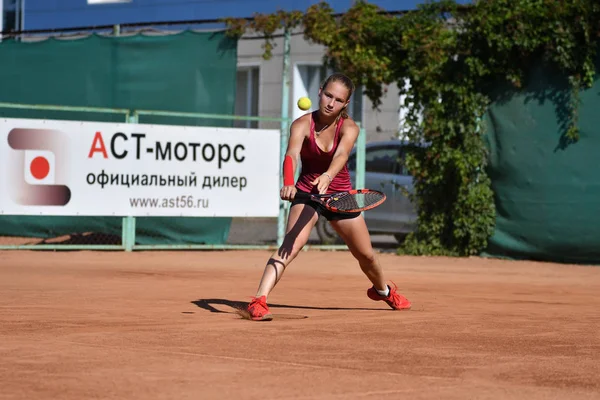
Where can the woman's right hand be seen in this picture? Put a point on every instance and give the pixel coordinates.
(288, 192)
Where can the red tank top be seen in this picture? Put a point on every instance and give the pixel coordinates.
(316, 161)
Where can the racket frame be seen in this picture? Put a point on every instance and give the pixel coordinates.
(324, 199)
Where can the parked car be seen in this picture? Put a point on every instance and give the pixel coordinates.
(385, 171)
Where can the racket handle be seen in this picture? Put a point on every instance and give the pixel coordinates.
(303, 196)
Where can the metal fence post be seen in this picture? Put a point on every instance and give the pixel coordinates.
(285, 104)
(128, 228)
(360, 158)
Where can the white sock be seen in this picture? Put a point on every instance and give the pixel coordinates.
(384, 293)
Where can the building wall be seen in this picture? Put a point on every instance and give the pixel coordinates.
(380, 124)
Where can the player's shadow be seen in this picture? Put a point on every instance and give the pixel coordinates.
(207, 304)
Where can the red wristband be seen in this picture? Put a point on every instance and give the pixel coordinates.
(288, 171)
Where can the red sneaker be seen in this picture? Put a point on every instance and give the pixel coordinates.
(258, 309)
(394, 299)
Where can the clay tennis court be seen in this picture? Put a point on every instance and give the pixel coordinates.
(162, 325)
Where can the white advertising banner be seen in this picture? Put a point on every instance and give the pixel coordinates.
(50, 167)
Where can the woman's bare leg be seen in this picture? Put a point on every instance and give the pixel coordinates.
(355, 234)
(301, 220)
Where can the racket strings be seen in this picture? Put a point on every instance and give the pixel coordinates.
(357, 201)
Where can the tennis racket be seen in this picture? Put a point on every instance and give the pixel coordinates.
(351, 201)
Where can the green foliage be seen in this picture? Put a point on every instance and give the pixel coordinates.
(265, 24)
(452, 55)
(361, 42)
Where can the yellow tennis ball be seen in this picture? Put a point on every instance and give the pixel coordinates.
(304, 103)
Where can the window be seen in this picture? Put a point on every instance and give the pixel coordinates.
(246, 96)
(8, 17)
(355, 108)
(307, 81)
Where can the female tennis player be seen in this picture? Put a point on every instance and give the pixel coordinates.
(322, 141)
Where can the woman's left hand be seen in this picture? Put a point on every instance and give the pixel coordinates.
(322, 183)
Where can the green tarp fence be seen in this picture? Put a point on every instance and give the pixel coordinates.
(184, 72)
(547, 190)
